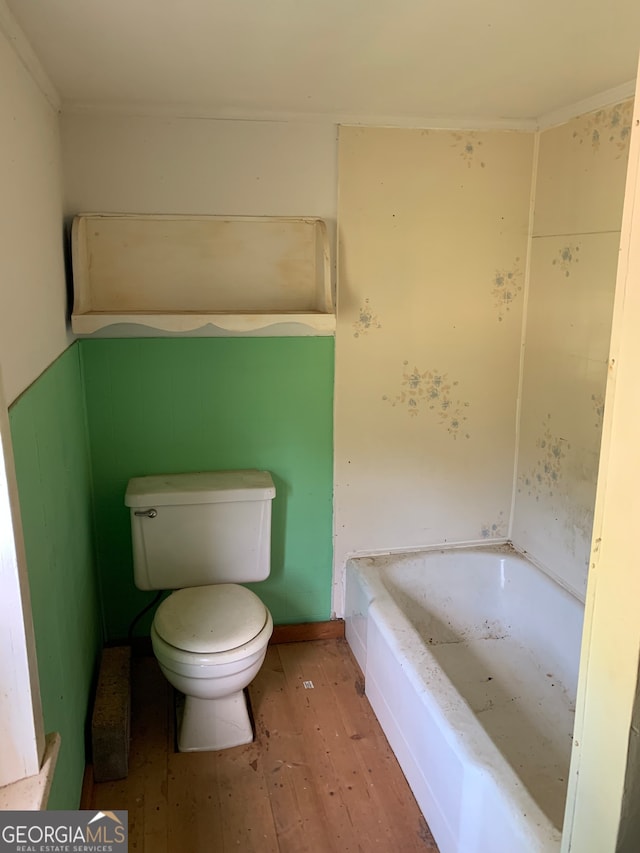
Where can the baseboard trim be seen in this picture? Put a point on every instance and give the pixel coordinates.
(308, 631)
(332, 629)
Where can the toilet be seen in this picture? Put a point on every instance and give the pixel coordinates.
(203, 535)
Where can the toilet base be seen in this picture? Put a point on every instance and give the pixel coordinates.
(206, 725)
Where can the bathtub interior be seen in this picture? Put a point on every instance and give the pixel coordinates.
(464, 595)
(506, 638)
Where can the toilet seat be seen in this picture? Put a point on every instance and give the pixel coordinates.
(208, 620)
(198, 665)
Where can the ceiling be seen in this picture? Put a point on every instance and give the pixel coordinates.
(378, 60)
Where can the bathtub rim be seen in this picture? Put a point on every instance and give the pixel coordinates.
(492, 546)
(456, 721)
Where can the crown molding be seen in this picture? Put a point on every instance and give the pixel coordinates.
(16, 38)
(587, 105)
(210, 113)
(441, 123)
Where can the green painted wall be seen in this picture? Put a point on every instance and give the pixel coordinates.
(108, 410)
(48, 430)
(190, 404)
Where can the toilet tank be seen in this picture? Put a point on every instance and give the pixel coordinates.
(198, 529)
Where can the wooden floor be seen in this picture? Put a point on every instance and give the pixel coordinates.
(320, 776)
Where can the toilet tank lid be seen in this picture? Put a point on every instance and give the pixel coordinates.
(200, 487)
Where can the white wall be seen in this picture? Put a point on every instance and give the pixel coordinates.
(576, 235)
(130, 164)
(611, 639)
(433, 278)
(32, 334)
(433, 253)
(32, 286)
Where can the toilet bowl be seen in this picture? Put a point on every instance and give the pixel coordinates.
(210, 643)
(203, 534)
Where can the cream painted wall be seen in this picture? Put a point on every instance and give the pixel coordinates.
(596, 820)
(32, 334)
(576, 235)
(432, 259)
(131, 164)
(32, 283)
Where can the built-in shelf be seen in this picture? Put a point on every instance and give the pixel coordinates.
(124, 325)
(182, 275)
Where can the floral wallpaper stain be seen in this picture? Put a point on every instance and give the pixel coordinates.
(366, 320)
(611, 127)
(548, 471)
(507, 284)
(431, 390)
(469, 146)
(597, 400)
(496, 529)
(567, 256)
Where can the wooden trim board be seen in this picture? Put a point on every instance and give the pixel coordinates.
(332, 629)
(306, 631)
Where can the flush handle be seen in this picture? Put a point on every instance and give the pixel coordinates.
(147, 513)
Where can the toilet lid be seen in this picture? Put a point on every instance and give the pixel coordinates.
(209, 619)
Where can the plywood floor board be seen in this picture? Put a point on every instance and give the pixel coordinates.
(319, 777)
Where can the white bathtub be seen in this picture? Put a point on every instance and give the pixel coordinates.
(471, 663)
